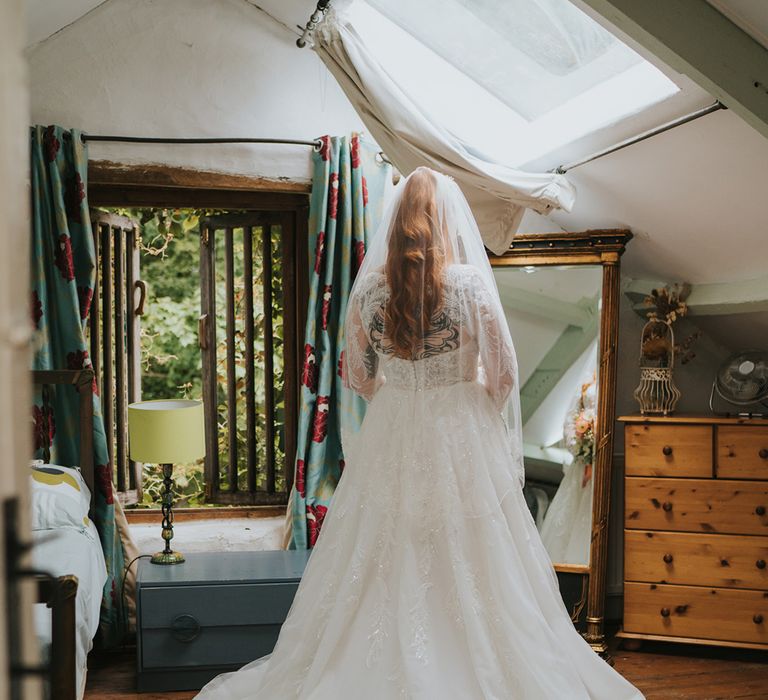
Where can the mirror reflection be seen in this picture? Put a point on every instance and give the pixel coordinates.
(553, 315)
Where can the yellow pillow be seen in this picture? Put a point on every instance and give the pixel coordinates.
(59, 497)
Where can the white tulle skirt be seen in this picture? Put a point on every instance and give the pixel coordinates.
(567, 528)
(429, 579)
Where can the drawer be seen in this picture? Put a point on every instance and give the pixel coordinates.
(189, 647)
(696, 505)
(742, 452)
(217, 605)
(728, 561)
(211, 625)
(668, 450)
(691, 611)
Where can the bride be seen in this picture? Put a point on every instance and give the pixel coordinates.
(429, 579)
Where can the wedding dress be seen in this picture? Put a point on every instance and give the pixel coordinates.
(567, 527)
(429, 579)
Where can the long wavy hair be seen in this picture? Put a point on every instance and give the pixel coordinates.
(415, 265)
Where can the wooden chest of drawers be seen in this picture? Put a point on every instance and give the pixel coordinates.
(696, 530)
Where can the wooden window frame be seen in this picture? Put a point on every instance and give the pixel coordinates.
(116, 365)
(225, 226)
(115, 185)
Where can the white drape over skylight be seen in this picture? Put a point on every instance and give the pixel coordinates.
(515, 78)
(478, 88)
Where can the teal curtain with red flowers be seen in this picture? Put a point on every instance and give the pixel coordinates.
(348, 189)
(63, 275)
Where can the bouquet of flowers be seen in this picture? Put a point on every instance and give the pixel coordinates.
(580, 431)
(584, 436)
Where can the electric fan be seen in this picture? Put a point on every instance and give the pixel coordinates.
(742, 381)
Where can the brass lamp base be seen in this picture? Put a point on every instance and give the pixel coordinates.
(167, 558)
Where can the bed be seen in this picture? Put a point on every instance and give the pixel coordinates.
(68, 549)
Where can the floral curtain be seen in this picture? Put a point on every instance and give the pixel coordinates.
(348, 191)
(63, 273)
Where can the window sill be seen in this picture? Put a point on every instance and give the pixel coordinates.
(152, 515)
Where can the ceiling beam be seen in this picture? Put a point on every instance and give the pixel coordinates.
(723, 298)
(693, 38)
(569, 346)
(514, 300)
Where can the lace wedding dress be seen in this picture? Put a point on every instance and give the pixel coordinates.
(429, 579)
(567, 527)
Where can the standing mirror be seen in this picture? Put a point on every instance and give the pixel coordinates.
(560, 297)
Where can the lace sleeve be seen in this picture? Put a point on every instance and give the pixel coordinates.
(498, 363)
(361, 363)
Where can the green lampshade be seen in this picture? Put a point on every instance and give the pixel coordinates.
(166, 431)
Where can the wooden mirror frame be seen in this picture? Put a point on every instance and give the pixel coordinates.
(604, 248)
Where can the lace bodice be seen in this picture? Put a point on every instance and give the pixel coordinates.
(450, 353)
(447, 368)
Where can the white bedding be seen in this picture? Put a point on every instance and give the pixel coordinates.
(73, 551)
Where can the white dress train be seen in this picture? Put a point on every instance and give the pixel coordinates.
(429, 579)
(567, 528)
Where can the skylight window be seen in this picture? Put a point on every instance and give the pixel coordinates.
(515, 78)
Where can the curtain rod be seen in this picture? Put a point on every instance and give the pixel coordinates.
(714, 107)
(314, 20)
(315, 143)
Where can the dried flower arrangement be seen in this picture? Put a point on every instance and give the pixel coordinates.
(667, 305)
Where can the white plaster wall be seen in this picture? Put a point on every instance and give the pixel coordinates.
(189, 68)
(693, 379)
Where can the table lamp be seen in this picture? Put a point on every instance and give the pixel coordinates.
(166, 432)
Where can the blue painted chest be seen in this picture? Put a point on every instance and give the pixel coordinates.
(213, 613)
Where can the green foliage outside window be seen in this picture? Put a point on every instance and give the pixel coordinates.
(170, 354)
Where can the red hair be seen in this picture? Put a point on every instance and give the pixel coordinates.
(415, 265)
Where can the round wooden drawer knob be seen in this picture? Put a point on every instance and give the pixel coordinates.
(760, 510)
(763, 453)
(758, 619)
(668, 558)
(760, 563)
(667, 506)
(665, 612)
(185, 628)
(667, 450)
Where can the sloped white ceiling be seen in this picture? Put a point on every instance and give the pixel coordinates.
(292, 13)
(46, 17)
(695, 198)
(188, 68)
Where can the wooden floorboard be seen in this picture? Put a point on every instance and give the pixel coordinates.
(661, 671)
(687, 672)
(112, 676)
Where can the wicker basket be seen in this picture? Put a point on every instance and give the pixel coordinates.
(657, 392)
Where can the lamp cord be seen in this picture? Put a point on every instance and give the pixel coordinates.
(122, 589)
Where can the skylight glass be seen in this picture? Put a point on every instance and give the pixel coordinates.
(515, 78)
(533, 55)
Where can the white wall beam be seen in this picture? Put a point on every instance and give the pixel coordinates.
(693, 38)
(723, 298)
(580, 313)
